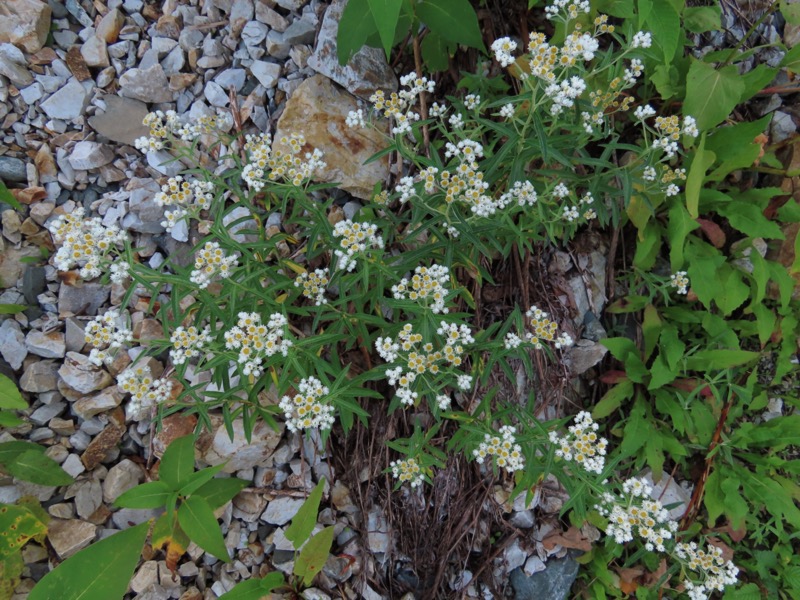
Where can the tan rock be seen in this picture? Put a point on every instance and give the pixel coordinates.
(94, 52)
(25, 23)
(238, 453)
(318, 109)
(67, 537)
(109, 26)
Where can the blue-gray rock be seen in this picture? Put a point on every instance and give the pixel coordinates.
(12, 170)
(82, 300)
(554, 583)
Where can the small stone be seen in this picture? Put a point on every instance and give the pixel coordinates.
(148, 85)
(554, 582)
(276, 45)
(90, 406)
(33, 93)
(254, 33)
(301, 31)
(63, 427)
(94, 52)
(190, 38)
(110, 25)
(77, 64)
(40, 377)
(231, 78)
(782, 126)
(267, 73)
(169, 26)
(174, 61)
(25, 23)
(238, 453)
(106, 77)
(12, 170)
(98, 448)
(172, 428)
(14, 66)
(523, 519)
(67, 103)
(12, 344)
(269, 16)
(44, 413)
(281, 510)
(146, 577)
(82, 299)
(67, 537)
(46, 345)
(122, 120)
(81, 375)
(241, 12)
(292, 5)
(215, 95)
(88, 497)
(121, 477)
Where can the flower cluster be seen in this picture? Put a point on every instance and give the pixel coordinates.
(146, 392)
(185, 197)
(669, 130)
(188, 342)
(427, 285)
(681, 281)
(543, 330)
(307, 409)
(637, 515)
(397, 106)
(522, 192)
(288, 163)
(163, 124)
(211, 261)
(106, 335)
(256, 341)
(420, 360)
(407, 470)
(506, 452)
(716, 572)
(571, 9)
(355, 239)
(582, 444)
(314, 285)
(84, 243)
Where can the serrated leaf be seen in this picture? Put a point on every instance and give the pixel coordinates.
(255, 589)
(153, 494)
(750, 220)
(454, 20)
(218, 491)
(103, 570)
(177, 464)
(10, 396)
(386, 14)
(303, 522)
(37, 467)
(314, 555)
(197, 519)
(711, 94)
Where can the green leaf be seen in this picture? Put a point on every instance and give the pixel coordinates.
(218, 491)
(638, 431)
(735, 147)
(679, 226)
(153, 494)
(699, 19)
(355, 26)
(454, 20)
(613, 399)
(11, 309)
(10, 450)
(37, 467)
(8, 198)
(711, 94)
(672, 347)
(177, 464)
(756, 80)
(765, 322)
(9, 419)
(661, 373)
(651, 328)
(791, 60)
(750, 220)
(702, 160)
(196, 480)
(665, 26)
(385, 13)
(10, 396)
(198, 521)
(314, 555)
(790, 11)
(23, 523)
(255, 589)
(435, 52)
(303, 522)
(712, 360)
(101, 571)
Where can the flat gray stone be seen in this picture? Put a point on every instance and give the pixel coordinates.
(40, 377)
(148, 85)
(122, 120)
(553, 583)
(12, 344)
(281, 510)
(46, 345)
(87, 155)
(68, 102)
(81, 375)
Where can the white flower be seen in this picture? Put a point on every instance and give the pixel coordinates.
(472, 101)
(643, 112)
(407, 470)
(356, 238)
(256, 341)
(681, 281)
(209, 262)
(507, 111)
(690, 126)
(188, 342)
(503, 49)
(308, 409)
(456, 121)
(642, 39)
(355, 118)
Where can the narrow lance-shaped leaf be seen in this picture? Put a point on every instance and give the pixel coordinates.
(148, 495)
(177, 464)
(303, 522)
(255, 589)
(218, 491)
(386, 14)
(103, 570)
(198, 521)
(10, 396)
(314, 555)
(37, 467)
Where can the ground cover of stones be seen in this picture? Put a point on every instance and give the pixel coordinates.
(76, 79)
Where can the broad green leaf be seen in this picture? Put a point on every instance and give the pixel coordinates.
(10, 396)
(699, 19)
(218, 491)
(303, 522)
(713, 498)
(661, 373)
(616, 8)
(712, 360)
(255, 589)
(750, 220)
(37, 467)
(711, 94)
(198, 479)
(314, 555)
(733, 290)
(791, 60)
(613, 399)
(23, 523)
(790, 11)
(198, 521)
(177, 464)
(748, 591)
(10, 450)
(9, 419)
(702, 160)
(355, 26)
(765, 322)
(169, 536)
(435, 52)
(648, 246)
(637, 431)
(651, 328)
(101, 571)
(756, 80)
(385, 14)
(680, 225)
(454, 20)
(11, 309)
(665, 26)
(654, 454)
(735, 147)
(672, 347)
(153, 494)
